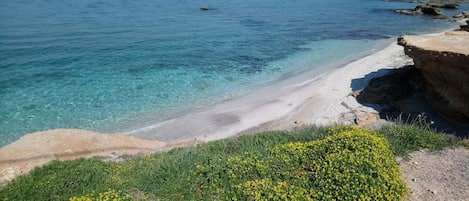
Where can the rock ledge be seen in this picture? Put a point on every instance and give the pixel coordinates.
(444, 62)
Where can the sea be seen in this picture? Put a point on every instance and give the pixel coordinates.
(98, 65)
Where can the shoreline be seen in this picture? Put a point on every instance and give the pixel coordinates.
(283, 103)
(288, 103)
(308, 98)
(305, 99)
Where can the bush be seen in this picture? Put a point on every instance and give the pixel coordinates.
(351, 164)
(109, 195)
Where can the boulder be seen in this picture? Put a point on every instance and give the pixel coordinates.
(439, 17)
(431, 11)
(366, 118)
(465, 13)
(417, 10)
(405, 12)
(464, 28)
(444, 62)
(459, 16)
(443, 5)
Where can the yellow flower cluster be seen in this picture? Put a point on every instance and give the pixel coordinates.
(350, 164)
(109, 195)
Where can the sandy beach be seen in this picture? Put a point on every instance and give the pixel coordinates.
(304, 99)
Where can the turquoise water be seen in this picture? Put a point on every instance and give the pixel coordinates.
(93, 65)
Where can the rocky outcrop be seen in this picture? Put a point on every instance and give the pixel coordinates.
(39, 148)
(444, 62)
(426, 10)
(431, 11)
(443, 5)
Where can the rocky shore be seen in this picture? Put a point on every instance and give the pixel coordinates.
(356, 94)
(433, 9)
(444, 62)
(39, 148)
(343, 96)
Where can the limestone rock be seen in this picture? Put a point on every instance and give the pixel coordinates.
(444, 62)
(39, 148)
(366, 118)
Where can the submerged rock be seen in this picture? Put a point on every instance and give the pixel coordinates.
(444, 62)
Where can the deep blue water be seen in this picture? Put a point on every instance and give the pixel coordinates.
(93, 64)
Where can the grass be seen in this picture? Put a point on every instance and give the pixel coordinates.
(408, 138)
(170, 175)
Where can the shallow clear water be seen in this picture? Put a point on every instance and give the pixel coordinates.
(91, 64)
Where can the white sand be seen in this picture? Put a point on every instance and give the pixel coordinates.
(305, 98)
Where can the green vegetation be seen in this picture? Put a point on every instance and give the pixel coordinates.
(407, 138)
(109, 195)
(350, 165)
(464, 143)
(317, 163)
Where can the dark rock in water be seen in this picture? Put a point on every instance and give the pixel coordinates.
(405, 12)
(465, 13)
(427, 10)
(443, 5)
(431, 11)
(451, 6)
(418, 10)
(204, 8)
(458, 16)
(439, 17)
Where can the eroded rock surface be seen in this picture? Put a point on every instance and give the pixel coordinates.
(39, 148)
(444, 62)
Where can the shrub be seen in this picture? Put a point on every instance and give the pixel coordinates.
(109, 195)
(351, 164)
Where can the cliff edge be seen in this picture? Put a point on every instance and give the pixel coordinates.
(444, 62)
